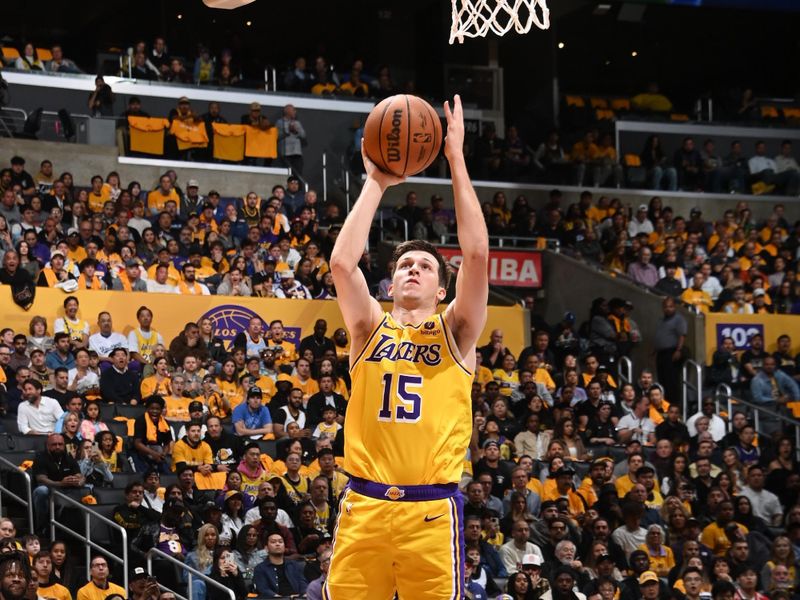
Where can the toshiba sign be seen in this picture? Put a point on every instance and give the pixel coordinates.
(517, 268)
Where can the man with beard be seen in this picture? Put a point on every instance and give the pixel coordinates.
(54, 469)
(562, 584)
(14, 576)
(226, 448)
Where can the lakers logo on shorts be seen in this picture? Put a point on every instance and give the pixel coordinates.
(394, 493)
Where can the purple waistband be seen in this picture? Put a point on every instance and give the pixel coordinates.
(403, 493)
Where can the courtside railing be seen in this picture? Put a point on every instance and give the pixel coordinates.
(9, 467)
(625, 369)
(86, 537)
(692, 391)
(723, 396)
(190, 572)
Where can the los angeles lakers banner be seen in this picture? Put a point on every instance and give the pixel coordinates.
(229, 314)
(741, 327)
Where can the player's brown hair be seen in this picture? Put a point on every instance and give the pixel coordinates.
(422, 246)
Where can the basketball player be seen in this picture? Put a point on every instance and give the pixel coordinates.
(408, 420)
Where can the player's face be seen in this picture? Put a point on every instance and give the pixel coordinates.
(416, 277)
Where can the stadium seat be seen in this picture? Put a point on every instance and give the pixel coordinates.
(635, 174)
(679, 117)
(598, 102)
(123, 479)
(22, 443)
(118, 428)
(10, 54)
(109, 495)
(44, 54)
(18, 457)
(267, 447)
(9, 425)
(129, 411)
(604, 114)
(621, 104)
(770, 113)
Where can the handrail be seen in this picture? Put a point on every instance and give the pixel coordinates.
(550, 243)
(394, 216)
(182, 565)
(87, 539)
(697, 388)
(724, 391)
(29, 503)
(627, 363)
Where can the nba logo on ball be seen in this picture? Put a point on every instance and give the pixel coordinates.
(229, 320)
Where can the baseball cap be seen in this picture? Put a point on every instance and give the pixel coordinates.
(254, 391)
(195, 406)
(192, 183)
(287, 274)
(647, 577)
(72, 231)
(696, 211)
(569, 317)
(642, 207)
(183, 100)
(532, 559)
(603, 558)
(488, 443)
(255, 106)
(759, 292)
(231, 493)
(131, 263)
(138, 573)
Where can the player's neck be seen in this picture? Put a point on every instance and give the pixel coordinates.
(412, 315)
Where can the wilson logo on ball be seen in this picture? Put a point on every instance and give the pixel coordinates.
(393, 137)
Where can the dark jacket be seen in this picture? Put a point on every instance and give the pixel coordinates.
(119, 387)
(317, 402)
(266, 581)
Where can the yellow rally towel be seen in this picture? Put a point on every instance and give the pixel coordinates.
(212, 481)
(147, 134)
(189, 135)
(260, 143)
(229, 141)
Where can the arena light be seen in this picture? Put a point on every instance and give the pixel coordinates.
(561, 45)
(226, 4)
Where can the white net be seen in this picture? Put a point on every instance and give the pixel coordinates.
(476, 18)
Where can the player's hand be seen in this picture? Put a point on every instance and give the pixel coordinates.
(454, 140)
(384, 180)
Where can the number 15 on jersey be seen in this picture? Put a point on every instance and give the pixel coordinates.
(408, 408)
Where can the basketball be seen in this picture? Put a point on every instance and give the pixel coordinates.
(402, 135)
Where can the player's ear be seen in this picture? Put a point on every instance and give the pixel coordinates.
(390, 291)
(440, 294)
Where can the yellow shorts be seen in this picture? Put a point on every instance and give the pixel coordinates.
(382, 546)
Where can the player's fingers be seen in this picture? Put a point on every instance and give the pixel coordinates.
(457, 109)
(448, 115)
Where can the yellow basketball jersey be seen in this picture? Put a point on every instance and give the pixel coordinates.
(409, 417)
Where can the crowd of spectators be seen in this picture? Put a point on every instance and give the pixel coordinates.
(575, 484)
(735, 263)
(593, 160)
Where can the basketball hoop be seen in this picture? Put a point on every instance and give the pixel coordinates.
(475, 18)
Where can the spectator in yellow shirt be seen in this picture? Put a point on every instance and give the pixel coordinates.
(98, 195)
(696, 296)
(285, 351)
(158, 198)
(717, 535)
(662, 560)
(584, 152)
(652, 100)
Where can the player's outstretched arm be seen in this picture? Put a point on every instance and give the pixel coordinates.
(361, 312)
(466, 315)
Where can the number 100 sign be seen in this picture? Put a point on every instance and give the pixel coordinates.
(740, 332)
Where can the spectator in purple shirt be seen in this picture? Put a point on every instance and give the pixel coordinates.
(643, 271)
